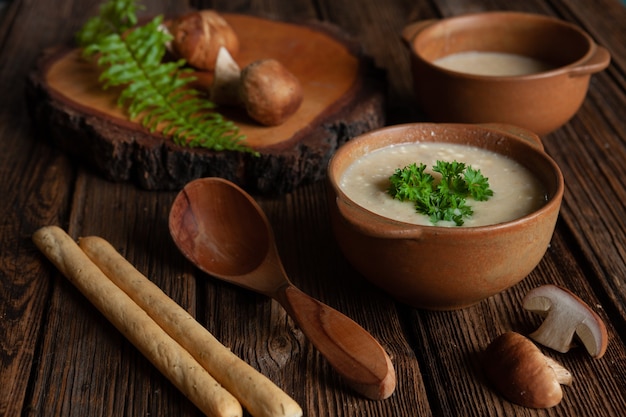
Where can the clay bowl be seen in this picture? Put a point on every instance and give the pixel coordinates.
(540, 102)
(437, 267)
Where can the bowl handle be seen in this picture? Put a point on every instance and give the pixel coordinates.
(371, 224)
(519, 132)
(598, 61)
(413, 29)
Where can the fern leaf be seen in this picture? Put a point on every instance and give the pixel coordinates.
(156, 94)
(115, 16)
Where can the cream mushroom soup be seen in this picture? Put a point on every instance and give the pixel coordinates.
(492, 63)
(516, 192)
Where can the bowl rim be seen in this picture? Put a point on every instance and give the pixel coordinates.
(397, 228)
(563, 69)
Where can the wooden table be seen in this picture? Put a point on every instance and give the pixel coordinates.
(60, 357)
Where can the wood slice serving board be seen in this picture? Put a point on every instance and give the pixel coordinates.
(344, 96)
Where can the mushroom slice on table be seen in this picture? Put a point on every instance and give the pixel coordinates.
(522, 374)
(566, 316)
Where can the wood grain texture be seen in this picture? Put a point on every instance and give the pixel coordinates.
(59, 357)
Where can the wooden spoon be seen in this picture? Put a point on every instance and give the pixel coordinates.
(224, 232)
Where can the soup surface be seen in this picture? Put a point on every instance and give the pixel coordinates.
(492, 63)
(516, 192)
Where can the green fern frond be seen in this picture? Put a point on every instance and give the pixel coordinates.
(155, 93)
(115, 16)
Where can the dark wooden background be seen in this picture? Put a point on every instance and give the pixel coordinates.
(59, 357)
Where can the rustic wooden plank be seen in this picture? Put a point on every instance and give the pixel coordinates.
(86, 213)
(592, 164)
(454, 377)
(59, 357)
(34, 185)
(452, 8)
(24, 287)
(297, 10)
(591, 151)
(596, 18)
(460, 405)
(378, 27)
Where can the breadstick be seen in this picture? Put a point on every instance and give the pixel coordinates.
(150, 339)
(256, 392)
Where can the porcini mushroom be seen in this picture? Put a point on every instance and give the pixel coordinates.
(198, 36)
(522, 374)
(566, 316)
(268, 91)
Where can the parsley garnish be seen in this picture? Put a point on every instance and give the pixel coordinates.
(444, 199)
(154, 92)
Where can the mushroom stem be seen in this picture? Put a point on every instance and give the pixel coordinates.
(563, 376)
(556, 331)
(225, 87)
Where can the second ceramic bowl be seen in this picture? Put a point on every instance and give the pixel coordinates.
(540, 102)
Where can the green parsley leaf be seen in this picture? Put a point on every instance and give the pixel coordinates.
(411, 183)
(444, 200)
(477, 184)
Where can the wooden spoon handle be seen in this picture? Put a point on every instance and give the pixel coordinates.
(349, 348)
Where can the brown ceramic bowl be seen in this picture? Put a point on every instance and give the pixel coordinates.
(540, 102)
(445, 268)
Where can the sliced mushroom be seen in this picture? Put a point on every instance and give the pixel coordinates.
(566, 316)
(522, 374)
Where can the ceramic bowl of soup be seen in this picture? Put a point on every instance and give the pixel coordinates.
(522, 69)
(442, 266)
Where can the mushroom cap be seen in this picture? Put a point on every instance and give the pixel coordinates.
(566, 316)
(270, 93)
(198, 37)
(522, 374)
